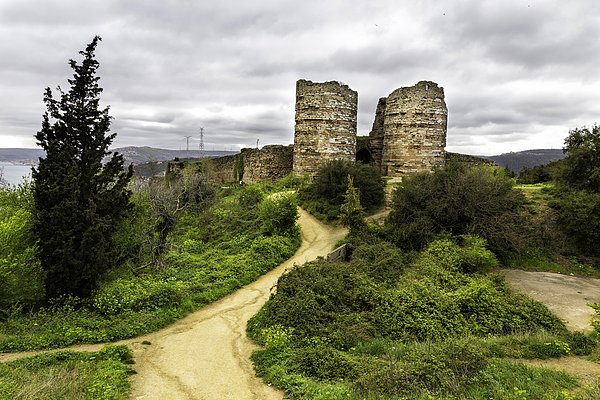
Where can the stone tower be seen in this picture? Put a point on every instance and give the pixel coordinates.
(376, 136)
(414, 129)
(325, 125)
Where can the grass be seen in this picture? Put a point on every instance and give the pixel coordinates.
(211, 254)
(102, 375)
(433, 325)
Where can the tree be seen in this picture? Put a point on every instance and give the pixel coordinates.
(351, 212)
(78, 201)
(327, 193)
(172, 196)
(581, 166)
(577, 196)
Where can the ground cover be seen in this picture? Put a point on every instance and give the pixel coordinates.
(210, 253)
(68, 375)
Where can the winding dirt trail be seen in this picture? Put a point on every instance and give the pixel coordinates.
(206, 355)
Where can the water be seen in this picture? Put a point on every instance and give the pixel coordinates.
(15, 174)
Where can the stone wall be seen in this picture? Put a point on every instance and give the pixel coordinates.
(325, 125)
(267, 164)
(415, 124)
(270, 163)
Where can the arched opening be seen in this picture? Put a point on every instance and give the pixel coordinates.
(364, 156)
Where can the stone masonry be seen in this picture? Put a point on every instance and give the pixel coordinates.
(376, 136)
(408, 135)
(325, 125)
(414, 129)
(270, 163)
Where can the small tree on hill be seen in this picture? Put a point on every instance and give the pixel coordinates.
(78, 200)
(581, 167)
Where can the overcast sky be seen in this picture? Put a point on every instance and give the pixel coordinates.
(517, 74)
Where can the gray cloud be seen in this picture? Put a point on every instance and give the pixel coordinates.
(516, 74)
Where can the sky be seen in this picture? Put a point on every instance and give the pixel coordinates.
(517, 74)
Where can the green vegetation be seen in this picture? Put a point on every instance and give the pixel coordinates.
(391, 325)
(20, 274)
(68, 375)
(418, 313)
(212, 250)
(458, 200)
(78, 200)
(326, 194)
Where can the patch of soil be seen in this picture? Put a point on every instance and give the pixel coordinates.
(567, 296)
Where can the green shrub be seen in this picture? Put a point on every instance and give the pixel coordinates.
(430, 368)
(279, 213)
(324, 363)
(250, 196)
(21, 277)
(457, 200)
(326, 194)
(578, 213)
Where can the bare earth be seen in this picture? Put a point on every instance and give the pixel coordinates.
(568, 297)
(207, 354)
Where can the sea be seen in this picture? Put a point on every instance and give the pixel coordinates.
(14, 173)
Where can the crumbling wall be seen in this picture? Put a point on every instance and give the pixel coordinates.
(376, 136)
(415, 125)
(325, 125)
(267, 164)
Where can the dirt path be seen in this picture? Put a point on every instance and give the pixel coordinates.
(566, 296)
(206, 355)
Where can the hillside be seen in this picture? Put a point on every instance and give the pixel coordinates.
(516, 161)
(20, 156)
(142, 155)
(133, 155)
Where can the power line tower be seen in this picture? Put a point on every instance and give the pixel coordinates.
(187, 143)
(201, 145)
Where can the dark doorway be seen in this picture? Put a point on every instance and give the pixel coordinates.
(363, 156)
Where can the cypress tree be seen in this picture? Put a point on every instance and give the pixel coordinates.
(78, 200)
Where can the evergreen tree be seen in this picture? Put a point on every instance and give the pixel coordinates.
(78, 200)
(351, 212)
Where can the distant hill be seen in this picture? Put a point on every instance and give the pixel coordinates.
(516, 161)
(143, 155)
(135, 155)
(21, 156)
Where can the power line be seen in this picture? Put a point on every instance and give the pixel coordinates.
(201, 145)
(187, 143)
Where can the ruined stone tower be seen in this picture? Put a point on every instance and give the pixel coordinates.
(414, 129)
(325, 125)
(376, 136)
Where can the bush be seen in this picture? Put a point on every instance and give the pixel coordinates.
(326, 194)
(279, 214)
(457, 200)
(21, 277)
(578, 213)
(428, 368)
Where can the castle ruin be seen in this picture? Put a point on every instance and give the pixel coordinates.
(408, 134)
(325, 125)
